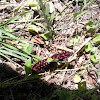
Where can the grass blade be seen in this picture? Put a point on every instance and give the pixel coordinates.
(17, 52)
(14, 37)
(9, 46)
(11, 20)
(12, 54)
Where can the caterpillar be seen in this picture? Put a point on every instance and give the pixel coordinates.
(42, 65)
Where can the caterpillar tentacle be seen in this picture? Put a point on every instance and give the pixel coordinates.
(42, 65)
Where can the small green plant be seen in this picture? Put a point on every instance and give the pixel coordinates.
(88, 47)
(49, 32)
(64, 94)
(11, 48)
(94, 50)
(96, 38)
(28, 66)
(82, 86)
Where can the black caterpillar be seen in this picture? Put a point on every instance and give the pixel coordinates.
(42, 65)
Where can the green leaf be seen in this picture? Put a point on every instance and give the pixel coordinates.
(49, 60)
(47, 9)
(97, 38)
(90, 25)
(32, 28)
(29, 48)
(52, 16)
(46, 35)
(94, 97)
(43, 1)
(39, 24)
(32, 3)
(36, 59)
(56, 60)
(76, 39)
(82, 86)
(26, 48)
(52, 60)
(93, 58)
(27, 15)
(64, 94)
(77, 78)
(77, 94)
(99, 59)
(28, 66)
(88, 47)
(75, 14)
(94, 50)
(8, 29)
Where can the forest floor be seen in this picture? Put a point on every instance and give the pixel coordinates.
(76, 77)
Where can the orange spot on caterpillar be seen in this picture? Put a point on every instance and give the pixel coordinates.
(39, 62)
(43, 65)
(34, 69)
(39, 67)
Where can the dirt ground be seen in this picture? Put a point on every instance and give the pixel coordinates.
(17, 87)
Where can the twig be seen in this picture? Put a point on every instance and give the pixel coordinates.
(71, 69)
(63, 76)
(28, 20)
(75, 54)
(11, 94)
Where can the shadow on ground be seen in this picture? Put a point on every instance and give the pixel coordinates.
(15, 87)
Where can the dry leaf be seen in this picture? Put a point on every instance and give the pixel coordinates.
(59, 7)
(90, 80)
(92, 77)
(37, 40)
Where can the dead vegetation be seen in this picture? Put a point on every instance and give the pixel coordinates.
(33, 30)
